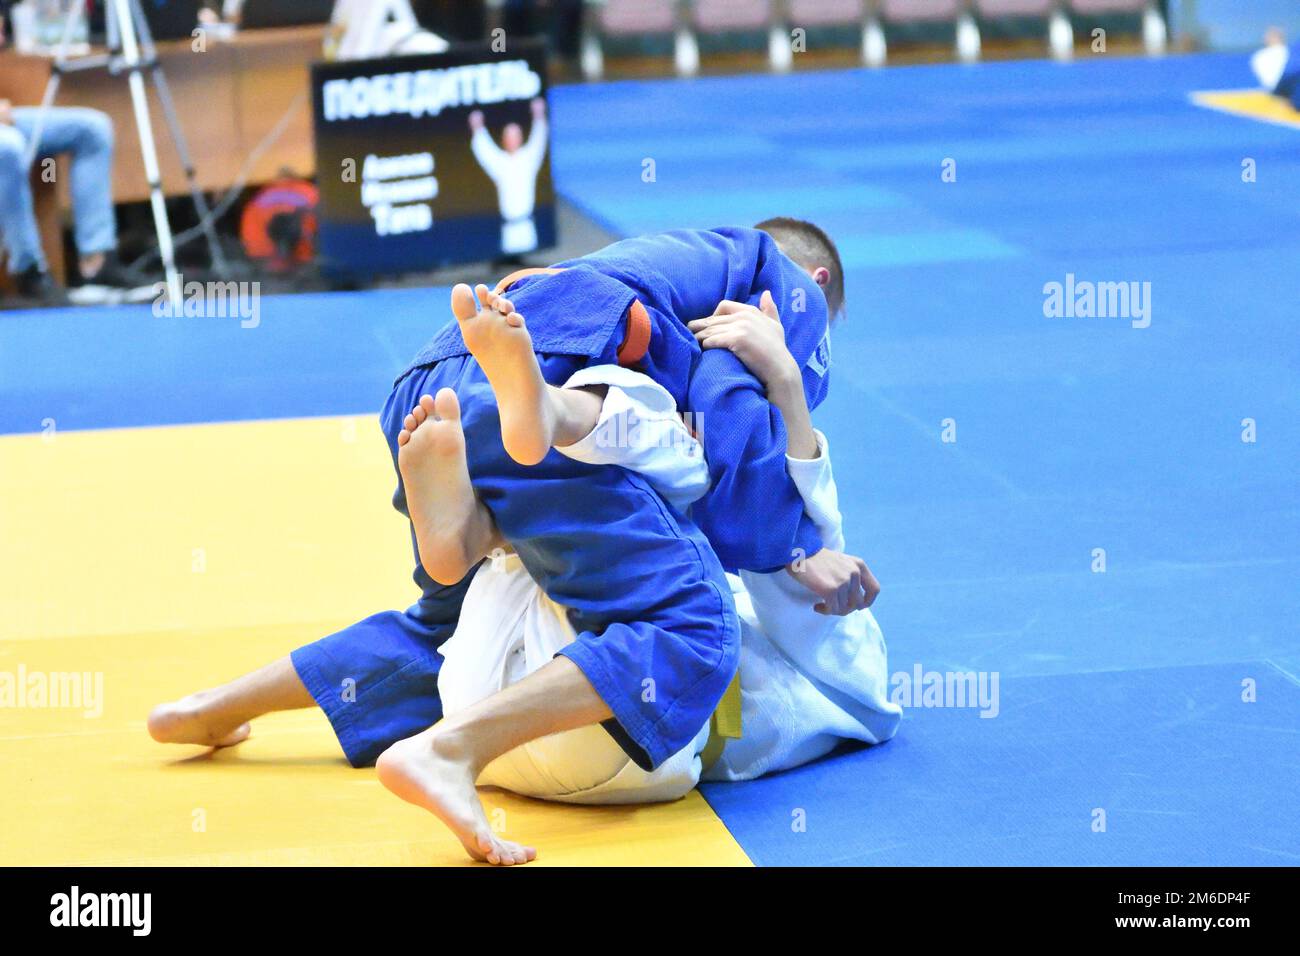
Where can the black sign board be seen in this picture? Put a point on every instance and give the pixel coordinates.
(434, 159)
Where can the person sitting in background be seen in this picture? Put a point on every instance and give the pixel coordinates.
(1277, 67)
(87, 135)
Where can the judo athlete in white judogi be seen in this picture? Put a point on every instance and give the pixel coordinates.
(807, 680)
(1277, 67)
(513, 167)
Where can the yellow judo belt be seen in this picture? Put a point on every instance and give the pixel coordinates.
(724, 725)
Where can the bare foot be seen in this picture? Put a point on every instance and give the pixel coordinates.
(185, 721)
(497, 338)
(452, 527)
(430, 771)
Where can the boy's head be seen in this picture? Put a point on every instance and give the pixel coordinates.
(813, 251)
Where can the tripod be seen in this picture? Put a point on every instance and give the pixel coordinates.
(131, 50)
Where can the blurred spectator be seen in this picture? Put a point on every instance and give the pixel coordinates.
(87, 135)
(1277, 67)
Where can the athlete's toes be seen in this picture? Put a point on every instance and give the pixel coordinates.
(426, 404)
(511, 853)
(419, 413)
(515, 320)
(410, 423)
(520, 853)
(488, 848)
(403, 437)
(504, 305)
(238, 735)
(463, 305)
(485, 295)
(446, 406)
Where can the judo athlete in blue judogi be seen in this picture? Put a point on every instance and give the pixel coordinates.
(753, 515)
(657, 634)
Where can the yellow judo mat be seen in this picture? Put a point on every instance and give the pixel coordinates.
(1252, 104)
(141, 564)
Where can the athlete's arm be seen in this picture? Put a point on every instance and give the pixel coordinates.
(756, 337)
(842, 582)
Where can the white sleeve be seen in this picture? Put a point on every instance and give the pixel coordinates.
(487, 152)
(845, 654)
(639, 429)
(535, 147)
(816, 486)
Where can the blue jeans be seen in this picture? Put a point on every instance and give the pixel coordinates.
(88, 136)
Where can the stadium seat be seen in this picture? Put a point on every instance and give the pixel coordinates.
(1108, 6)
(994, 9)
(821, 13)
(744, 16)
(1060, 34)
(903, 11)
(722, 16)
(630, 18)
(829, 13)
(920, 11)
(1155, 33)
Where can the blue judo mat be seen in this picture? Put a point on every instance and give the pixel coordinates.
(1138, 722)
(1146, 713)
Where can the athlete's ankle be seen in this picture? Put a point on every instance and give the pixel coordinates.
(454, 740)
(482, 538)
(576, 412)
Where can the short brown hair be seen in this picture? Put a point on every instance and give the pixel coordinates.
(809, 246)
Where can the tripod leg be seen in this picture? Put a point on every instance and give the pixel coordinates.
(145, 37)
(182, 150)
(148, 149)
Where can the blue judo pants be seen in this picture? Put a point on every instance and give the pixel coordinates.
(657, 630)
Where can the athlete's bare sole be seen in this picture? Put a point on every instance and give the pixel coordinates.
(497, 337)
(431, 771)
(453, 530)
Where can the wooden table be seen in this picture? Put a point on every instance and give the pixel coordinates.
(228, 98)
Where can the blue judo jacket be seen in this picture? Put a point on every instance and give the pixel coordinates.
(753, 515)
